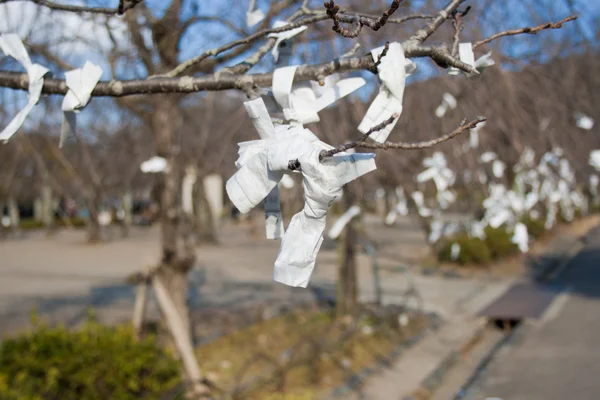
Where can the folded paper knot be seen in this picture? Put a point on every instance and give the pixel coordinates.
(12, 46)
(393, 68)
(301, 104)
(81, 82)
(285, 35)
(466, 55)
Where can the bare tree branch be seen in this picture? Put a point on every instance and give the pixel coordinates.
(528, 30)
(375, 24)
(420, 145)
(124, 6)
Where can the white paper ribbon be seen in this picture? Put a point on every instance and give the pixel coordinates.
(302, 104)
(81, 82)
(521, 237)
(466, 55)
(498, 168)
(454, 251)
(583, 121)
(400, 208)
(12, 46)
(392, 71)
(448, 102)
(487, 157)
(420, 203)
(474, 135)
(594, 160)
(154, 165)
(254, 15)
(436, 228)
(339, 225)
(187, 187)
(285, 35)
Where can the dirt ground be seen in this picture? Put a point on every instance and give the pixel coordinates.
(61, 276)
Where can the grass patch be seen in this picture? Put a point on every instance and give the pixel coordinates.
(303, 354)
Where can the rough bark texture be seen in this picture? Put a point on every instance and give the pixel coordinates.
(177, 257)
(206, 229)
(347, 285)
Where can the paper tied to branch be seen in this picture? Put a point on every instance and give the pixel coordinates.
(187, 188)
(448, 102)
(322, 182)
(438, 171)
(392, 71)
(454, 251)
(254, 15)
(339, 225)
(12, 46)
(419, 200)
(594, 160)
(474, 135)
(466, 55)
(521, 237)
(401, 207)
(81, 82)
(302, 103)
(583, 121)
(283, 36)
(154, 165)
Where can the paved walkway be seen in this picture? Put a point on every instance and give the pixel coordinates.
(556, 358)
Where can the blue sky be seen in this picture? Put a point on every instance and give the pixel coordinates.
(505, 14)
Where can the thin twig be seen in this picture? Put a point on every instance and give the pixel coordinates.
(528, 30)
(386, 48)
(344, 147)
(124, 5)
(421, 145)
(332, 10)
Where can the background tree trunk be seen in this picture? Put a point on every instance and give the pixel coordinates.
(47, 208)
(347, 285)
(13, 213)
(205, 220)
(178, 256)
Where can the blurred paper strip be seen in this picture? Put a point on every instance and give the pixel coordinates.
(285, 35)
(339, 225)
(12, 46)
(81, 82)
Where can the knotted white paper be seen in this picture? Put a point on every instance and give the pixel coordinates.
(466, 55)
(154, 165)
(254, 15)
(454, 251)
(419, 200)
(338, 226)
(448, 102)
(392, 71)
(594, 160)
(583, 121)
(474, 135)
(285, 35)
(187, 187)
(521, 237)
(400, 208)
(81, 82)
(322, 183)
(261, 120)
(12, 46)
(302, 104)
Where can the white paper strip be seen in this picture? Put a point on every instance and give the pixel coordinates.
(281, 36)
(81, 82)
(12, 46)
(466, 55)
(187, 187)
(392, 71)
(594, 160)
(254, 15)
(322, 183)
(154, 165)
(448, 101)
(583, 121)
(521, 237)
(338, 226)
(455, 251)
(273, 217)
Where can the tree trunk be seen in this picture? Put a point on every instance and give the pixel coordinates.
(178, 253)
(13, 213)
(47, 208)
(128, 217)
(347, 285)
(205, 220)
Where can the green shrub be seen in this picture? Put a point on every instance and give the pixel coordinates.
(96, 362)
(76, 222)
(472, 250)
(499, 242)
(30, 223)
(535, 227)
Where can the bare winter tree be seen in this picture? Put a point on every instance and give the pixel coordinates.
(150, 79)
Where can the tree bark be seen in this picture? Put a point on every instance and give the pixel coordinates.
(13, 213)
(205, 220)
(178, 253)
(347, 285)
(47, 208)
